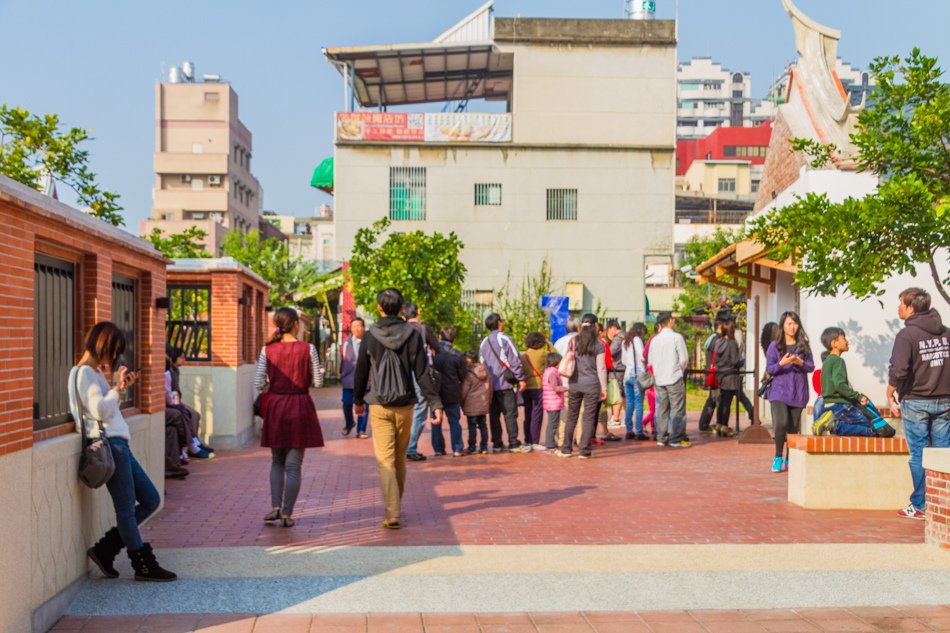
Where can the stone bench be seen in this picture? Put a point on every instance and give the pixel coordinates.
(854, 473)
(937, 466)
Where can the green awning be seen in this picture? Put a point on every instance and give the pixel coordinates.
(323, 176)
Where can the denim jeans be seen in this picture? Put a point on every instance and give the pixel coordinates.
(133, 494)
(348, 413)
(453, 414)
(634, 405)
(924, 420)
(477, 424)
(850, 421)
(419, 414)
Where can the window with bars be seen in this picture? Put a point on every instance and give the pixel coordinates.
(249, 340)
(188, 324)
(407, 193)
(54, 340)
(562, 204)
(487, 194)
(124, 315)
(727, 185)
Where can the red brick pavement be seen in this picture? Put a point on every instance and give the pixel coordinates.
(632, 492)
(918, 618)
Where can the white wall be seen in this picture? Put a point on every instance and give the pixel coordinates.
(224, 396)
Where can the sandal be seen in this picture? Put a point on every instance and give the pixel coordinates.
(286, 521)
(274, 515)
(392, 524)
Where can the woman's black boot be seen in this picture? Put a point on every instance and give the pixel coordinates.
(104, 552)
(147, 568)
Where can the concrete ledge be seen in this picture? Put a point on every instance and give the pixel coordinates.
(937, 459)
(854, 473)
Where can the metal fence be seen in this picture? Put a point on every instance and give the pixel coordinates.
(188, 324)
(54, 342)
(124, 316)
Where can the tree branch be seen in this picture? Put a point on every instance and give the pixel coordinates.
(936, 277)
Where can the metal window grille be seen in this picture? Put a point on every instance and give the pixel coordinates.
(54, 344)
(124, 315)
(248, 342)
(407, 193)
(488, 195)
(727, 184)
(562, 204)
(188, 324)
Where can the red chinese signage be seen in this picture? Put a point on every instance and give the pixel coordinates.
(380, 126)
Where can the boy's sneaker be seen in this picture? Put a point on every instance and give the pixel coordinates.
(825, 424)
(682, 444)
(784, 465)
(910, 512)
(777, 465)
(661, 442)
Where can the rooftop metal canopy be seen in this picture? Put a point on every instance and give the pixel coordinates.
(425, 73)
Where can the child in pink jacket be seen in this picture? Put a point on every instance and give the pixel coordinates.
(552, 398)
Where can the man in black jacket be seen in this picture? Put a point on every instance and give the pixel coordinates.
(391, 414)
(451, 365)
(920, 373)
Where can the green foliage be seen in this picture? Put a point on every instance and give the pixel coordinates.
(185, 245)
(707, 298)
(520, 306)
(291, 278)
(425, 268)
(855, 245)
(33, 147)
(821, 154)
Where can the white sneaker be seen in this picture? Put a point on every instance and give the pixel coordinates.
(558, 453)
(614, 424)
(524, 448)
(539, 447)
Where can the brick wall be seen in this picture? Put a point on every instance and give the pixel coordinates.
(839, 444)
(31, 223)
(937, 529)
(782, 165)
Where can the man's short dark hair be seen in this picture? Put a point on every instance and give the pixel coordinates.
(664, 319)
(916, 298)
(390, 300)
(449, 333)
(492, 321)
(355, 319)
(410, 310)
(830, 335)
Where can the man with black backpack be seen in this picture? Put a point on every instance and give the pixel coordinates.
(393, 353)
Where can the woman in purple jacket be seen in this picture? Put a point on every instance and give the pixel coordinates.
(789, 361)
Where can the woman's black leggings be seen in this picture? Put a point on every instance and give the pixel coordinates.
(787, 420)
(724, 406)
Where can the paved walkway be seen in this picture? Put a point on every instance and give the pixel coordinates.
(664, 539)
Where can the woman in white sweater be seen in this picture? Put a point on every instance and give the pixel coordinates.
(98, 383)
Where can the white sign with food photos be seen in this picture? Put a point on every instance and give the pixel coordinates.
(467, 127)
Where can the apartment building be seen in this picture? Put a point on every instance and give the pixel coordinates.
(709, 96)
(202, 160)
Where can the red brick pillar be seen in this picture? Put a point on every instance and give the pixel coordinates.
(225, 319)
(937, 520)
(152, 286)
(16, 340)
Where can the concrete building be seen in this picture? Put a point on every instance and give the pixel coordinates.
(710, 96)
(311, 238)
(577, 167)
(202, 160)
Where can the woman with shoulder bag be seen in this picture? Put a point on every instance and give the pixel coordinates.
(587, 385)
(788, 361)
(287, 368)
(632, 354)
(95, 393)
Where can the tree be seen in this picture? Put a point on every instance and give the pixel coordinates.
(520, 306)
(290, 278)
(33, 148)
(708, 298)
(857, 244)
(184, 245)
(425, 268)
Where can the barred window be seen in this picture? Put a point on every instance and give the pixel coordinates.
(124, 315)
(407, 193)
(562, 204)
(54, 340)
(487, 195)
(727, 184)
(188, 324)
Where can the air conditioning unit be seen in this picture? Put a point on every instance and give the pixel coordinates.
(214, 180)
(185, 178)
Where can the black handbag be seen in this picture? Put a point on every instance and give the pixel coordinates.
(765, 387)
(96, 465)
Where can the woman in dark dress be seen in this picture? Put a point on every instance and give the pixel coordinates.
(287, 368)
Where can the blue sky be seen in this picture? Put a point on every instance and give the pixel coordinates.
(95, 63)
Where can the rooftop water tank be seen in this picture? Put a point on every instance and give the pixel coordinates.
(640, 9)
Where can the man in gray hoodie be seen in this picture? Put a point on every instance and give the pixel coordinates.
(499, 353)
(395, 354)
(920, 374)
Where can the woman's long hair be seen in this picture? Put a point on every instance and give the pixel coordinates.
(729, 330)
(587, 343)
(801, 338)
(104, 344)
(285, 322)
(769, 333)
(637, 330)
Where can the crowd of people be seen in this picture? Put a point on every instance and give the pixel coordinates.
(399, 376)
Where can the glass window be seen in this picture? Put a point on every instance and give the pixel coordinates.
(487, 195)
(755, 186)
(407, 193)
(727, 185)
(730, 151)
(689, 85)
(562, 204)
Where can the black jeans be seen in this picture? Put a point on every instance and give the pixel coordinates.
(787, 420)
(477, 423)
(724, 406)
(504, 402)
(588, 424)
